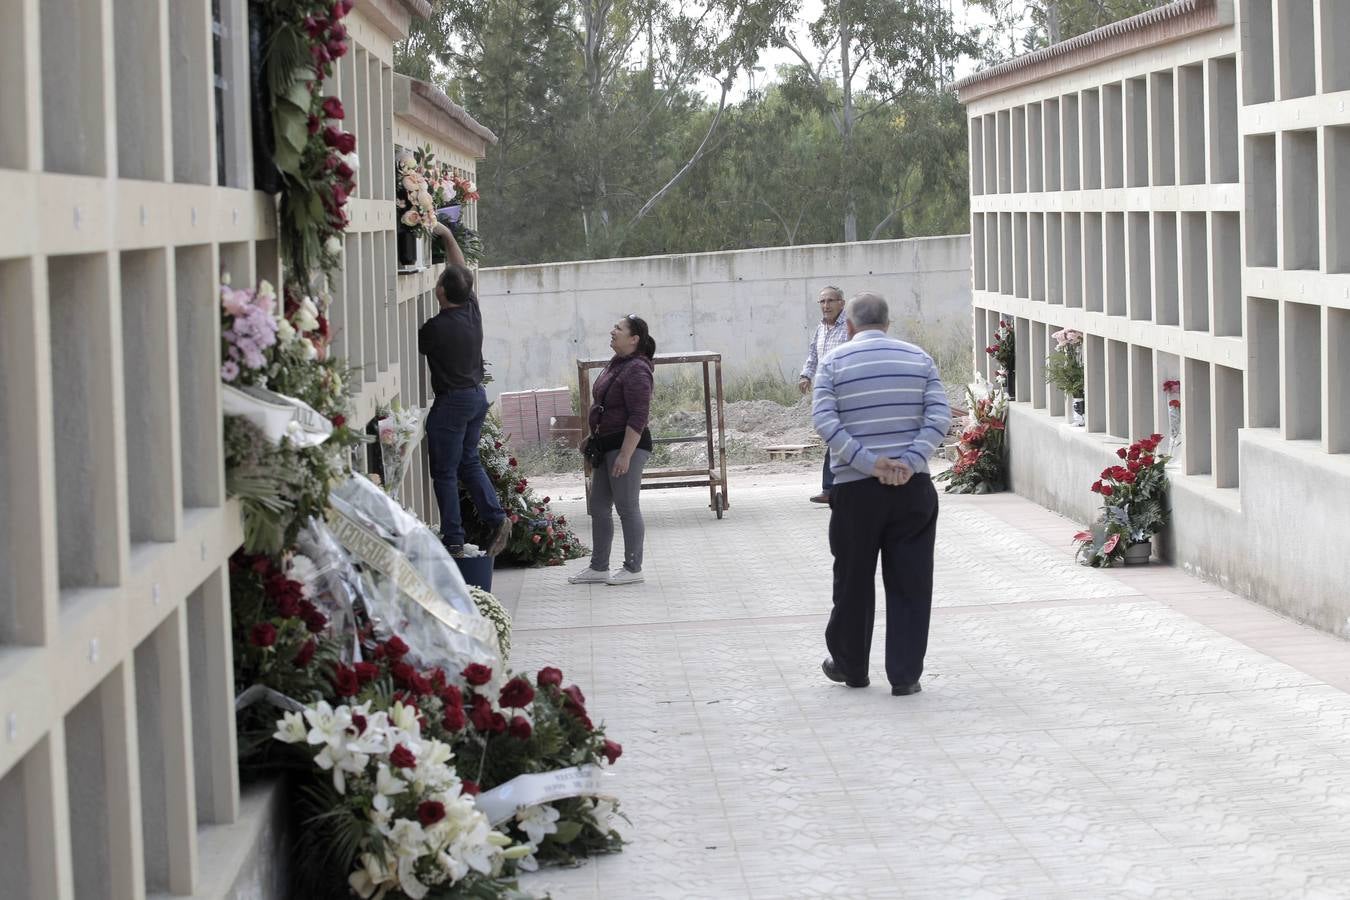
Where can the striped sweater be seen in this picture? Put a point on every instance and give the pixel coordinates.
(878, 396)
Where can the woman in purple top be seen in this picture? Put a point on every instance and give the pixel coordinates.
(622, 400)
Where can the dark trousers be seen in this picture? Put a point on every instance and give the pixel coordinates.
(454, 427)
(899, 524)
(826, 475)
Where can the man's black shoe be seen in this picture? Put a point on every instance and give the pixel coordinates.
(904, 690)
(832, 672)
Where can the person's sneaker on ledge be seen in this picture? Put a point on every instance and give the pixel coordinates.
(625, 576)
(589, 576)
(822, 497)
(501, 537)
(455, 550)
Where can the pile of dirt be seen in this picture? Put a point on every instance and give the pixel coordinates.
(751, 426)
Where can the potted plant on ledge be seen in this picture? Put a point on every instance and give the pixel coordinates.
(1134, 507)
(1064, 370)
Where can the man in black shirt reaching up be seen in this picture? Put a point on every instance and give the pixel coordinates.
(452, 342)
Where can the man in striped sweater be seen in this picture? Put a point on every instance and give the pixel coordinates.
(881, 408)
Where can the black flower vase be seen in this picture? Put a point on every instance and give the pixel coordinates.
(407, 247)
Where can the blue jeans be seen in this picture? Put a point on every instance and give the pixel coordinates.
(454, 427)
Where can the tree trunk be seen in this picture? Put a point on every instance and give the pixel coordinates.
(849, 117)
(1052, 24)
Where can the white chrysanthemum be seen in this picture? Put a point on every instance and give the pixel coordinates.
(285, 333)
(307, 315)
(538, 822)
(333, 246)
(302, 569)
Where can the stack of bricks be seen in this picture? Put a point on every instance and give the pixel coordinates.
(526, 415)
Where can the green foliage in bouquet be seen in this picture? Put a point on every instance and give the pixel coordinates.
(1064, 364)
(317, 161)
(538, 538)
(494, 612)
(980, 466)
(1004, 351)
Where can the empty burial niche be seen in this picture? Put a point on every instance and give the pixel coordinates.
(1227, 422)
(148, 341)
(977, 251)
(1054, 258)
(1073, 259)
(164, 739)
(1140, 272)
(1300, 199)
(101, 804)
(1191, 122)
(1337, 195)
(1019, 149)
(1094, 381)
(1118, 388)
(1197, 418)
(1143, 387)
(1113, 136)
(1194, 272)
(1050, 144)
(1090, 128)
(989, 128)
(1069, 141)
(1297, 55)
(1302, 382)
(1338, 380)
(1162, 139)
(1136, 131)
(14, 87)
(82, 406)
(1005, 253)
(1166, 289)
(1258, 59)
(991, 252)
(192, 64)
(1335, 25)
(1114, 261)
(1035, 149)
(21, 595)
(1004, 152)
(199, 428)
(1227, 279)
(1261, 198)
(73, 112)
(1223, 120)
(140, 114)
(1093, 290)
(976, 155)
(1263, 362)
(1036, 256)
(1020, 275)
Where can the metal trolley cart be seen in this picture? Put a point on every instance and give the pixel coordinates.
(714, 475)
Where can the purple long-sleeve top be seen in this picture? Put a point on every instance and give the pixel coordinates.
(622, 395)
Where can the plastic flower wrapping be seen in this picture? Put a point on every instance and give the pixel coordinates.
(400, 431)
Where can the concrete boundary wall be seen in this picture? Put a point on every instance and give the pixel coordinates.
(757, 307)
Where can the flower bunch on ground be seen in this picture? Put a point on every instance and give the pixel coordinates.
(1003, 349)
(492, 610)
(538, 537)
(1064, 364)
(315, 156)
(980, 466)
(400, 429)
(390, 799)
(1134, 506)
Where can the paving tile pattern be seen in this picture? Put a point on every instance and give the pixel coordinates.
(1104, 744)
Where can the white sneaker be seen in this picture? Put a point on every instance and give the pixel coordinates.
(589, 576)
(623, 576)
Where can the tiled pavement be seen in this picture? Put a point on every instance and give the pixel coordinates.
(1128, 733)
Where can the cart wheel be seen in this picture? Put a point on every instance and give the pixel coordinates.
(717, 505)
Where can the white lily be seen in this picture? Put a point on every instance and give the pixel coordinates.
(538, 822)
(291, 728)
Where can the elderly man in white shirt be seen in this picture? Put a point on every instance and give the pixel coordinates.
(830, 333)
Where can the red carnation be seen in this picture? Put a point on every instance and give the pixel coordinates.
(477, 674)
(366, 672)
(345, 682)
(339, 140)
(1121, 453)
(1155, 438)
(305, 654)
(452, 696)
(453, 719)
(396, 647)
(1175, 404)
(337, 50)
(549, 675)
(574, 697)
(332, 108)
(403, 673)
(1096, 487)
(261, 564)
(1107, 490)
(288, 607)
(481, 714)
(516, 694)
(429, 812)
(498, 724)
(359, 723)
(264, 634)
(520, 728)
(402, 757)
(511, 462)
(469, 787)
(612, 750)
(344, 171)
(1134, 466)
(314, 124)
(1146, 461)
